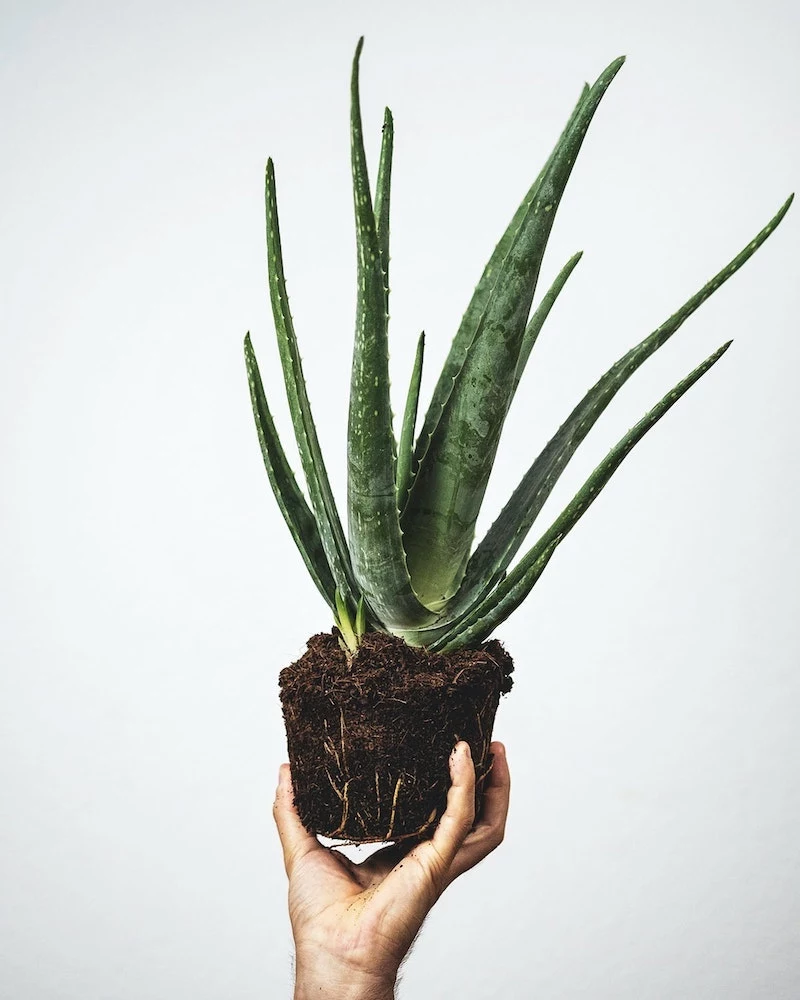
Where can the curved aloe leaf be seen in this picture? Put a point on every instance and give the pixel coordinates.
(448, 488)
(540, 314)
(376, 546)
(326, 515)
(480, 298)
(501, 543)
(508, 595)
(291, 501)
(404, 454)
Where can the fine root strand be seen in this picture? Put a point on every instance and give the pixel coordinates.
(345, 809)
(394, 807)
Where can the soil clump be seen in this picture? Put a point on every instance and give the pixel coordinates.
(369, 735)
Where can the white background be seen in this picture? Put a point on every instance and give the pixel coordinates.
(151, 592)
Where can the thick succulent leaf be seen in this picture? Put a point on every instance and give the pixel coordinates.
(449, 485)
(382, 193)
(480, 298)
(406, 448)
(501, 543)
(322, 501)
(446, 623)
(291, 501)
(477, 625)
(376, 545)
(540, 314)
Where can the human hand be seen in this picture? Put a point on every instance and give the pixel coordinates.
(354, 923)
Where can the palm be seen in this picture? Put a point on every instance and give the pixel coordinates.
(336, 897)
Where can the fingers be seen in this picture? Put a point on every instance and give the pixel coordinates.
(435, 856)
(490, 829)
(458, 817)
(496, 794)
(296, 841)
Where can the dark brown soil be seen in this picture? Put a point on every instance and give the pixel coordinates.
(369, 736)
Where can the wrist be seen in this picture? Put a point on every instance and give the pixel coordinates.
(313, 988)
(328, 981)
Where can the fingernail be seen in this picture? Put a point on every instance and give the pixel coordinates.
(466, 751)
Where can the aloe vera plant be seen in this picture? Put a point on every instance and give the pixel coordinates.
(408, 564)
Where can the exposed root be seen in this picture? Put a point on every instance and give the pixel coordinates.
(329, 746)
(333, 784)
(394, 807)
(345, 809)
(342, 731)
(420, 830)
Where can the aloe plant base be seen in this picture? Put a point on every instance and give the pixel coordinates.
(369, 735)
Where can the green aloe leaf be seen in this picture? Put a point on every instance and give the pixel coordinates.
(501, 543)
(508, 595)
(344, 623)
(291, 501)
(405, 451)
(540, 314)
(480, 298)
(376, 545)
(449, 485)
(382, 196)
(322, 501)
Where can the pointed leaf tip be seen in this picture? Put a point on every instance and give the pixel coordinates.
(613, 68)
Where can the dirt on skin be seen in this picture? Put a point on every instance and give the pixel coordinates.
(369, 736)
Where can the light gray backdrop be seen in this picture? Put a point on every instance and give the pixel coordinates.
(151, 593)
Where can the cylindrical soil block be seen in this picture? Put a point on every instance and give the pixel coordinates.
(369, 736)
